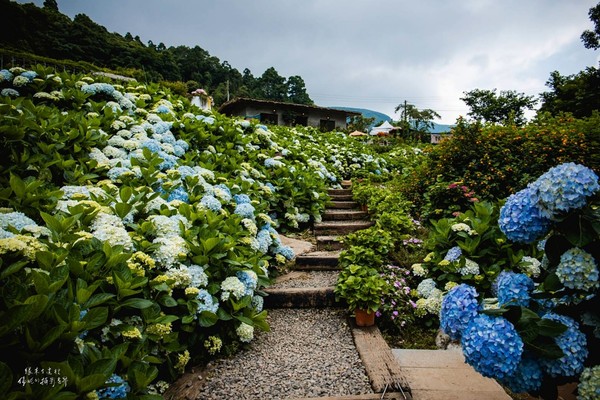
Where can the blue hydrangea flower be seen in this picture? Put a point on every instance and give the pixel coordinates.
(161, 127)
(16, 219)
(185, 171)
(527, 377)
(513, 289)
(223, 192)
(211, 203)
(578, 270)
(272, 163)
(152, 145)
(573, 344)
(169, 161)
(31, 75)
(285, 251)
(264, 240)
(521, 219)
(5, 75)
(209, 120)
(246, 210)
(492, 346)
(453, 254)
(183, 144)
(162, 109)
(118, 389)
(115, 172)
(9, 92)
(178, 151)
(180, 194)
(258, 303)
(199, 277)
(459, 306)
(207, 302)
(565, 187)
(270, 186)
(6, 234)
(241, 198)
(249, 279)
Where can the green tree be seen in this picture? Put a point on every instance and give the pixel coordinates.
(415, 123)
(360, 123)
(272, 86)
(296, 91)
(505, 107)
(591, 38)
(577, 94)
(51, 5)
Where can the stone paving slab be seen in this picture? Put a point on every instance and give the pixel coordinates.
(443, 374)
(299, 246)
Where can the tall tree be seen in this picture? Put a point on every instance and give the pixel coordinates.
(296, 91)
(414, 122)
(51, 5)
(577, 94)
(508, 106)
(272, 85)
(591, 38)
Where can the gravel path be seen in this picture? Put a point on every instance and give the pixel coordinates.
(298, 279)
(308, 353)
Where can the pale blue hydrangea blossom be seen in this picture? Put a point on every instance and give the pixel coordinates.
(578, 270)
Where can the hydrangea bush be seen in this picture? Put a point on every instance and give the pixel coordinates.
(137, 231)
(552, 305)
(469, 249)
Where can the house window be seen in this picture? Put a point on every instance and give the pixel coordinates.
(269, 119)
(326, 125)
(300, 120)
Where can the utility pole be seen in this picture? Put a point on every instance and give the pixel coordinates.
(227, 89)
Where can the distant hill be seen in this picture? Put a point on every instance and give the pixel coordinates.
(380, 117)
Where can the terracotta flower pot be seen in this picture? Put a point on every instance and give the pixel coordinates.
(364, 318)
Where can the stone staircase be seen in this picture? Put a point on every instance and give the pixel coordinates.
(341, 217)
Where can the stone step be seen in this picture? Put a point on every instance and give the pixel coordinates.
(343, 215)
(334, 192)
(344, 205)
(329, 243)
(346, 184)
(340, 197)
(443, 374)
(319, 297)
(318, 261)
(340, 227)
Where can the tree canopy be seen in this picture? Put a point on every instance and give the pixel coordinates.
(508, 106)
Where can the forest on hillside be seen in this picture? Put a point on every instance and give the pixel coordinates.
(45, 31)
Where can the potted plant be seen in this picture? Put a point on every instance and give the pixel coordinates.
(361, 287)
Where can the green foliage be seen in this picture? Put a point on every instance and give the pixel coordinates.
(361, 287)
(578, 94)
(494, 161)
(507, 107)
(480, 240)
(415, 123)
(591, 38)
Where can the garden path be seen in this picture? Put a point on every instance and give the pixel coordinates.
(315, 352)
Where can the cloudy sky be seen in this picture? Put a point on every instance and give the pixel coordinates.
(371, 54)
